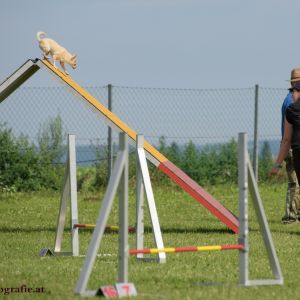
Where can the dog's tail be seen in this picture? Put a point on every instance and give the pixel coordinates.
(40, 35)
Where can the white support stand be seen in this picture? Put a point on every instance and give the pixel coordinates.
(118, 179)
(246, 177)
(69, 191)
(144, 184)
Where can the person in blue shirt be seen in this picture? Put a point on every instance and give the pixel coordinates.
(286, 103)
(292, 208)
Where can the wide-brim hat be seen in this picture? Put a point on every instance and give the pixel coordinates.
(295, 75)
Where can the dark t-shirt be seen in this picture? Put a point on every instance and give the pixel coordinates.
(293, 117)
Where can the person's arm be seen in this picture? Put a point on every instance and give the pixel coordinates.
(284, 147)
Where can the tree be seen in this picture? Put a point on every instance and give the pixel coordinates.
(8, 157)
(228, 161)
(51, 149)
(174, 154)
(265, 161)
(190, 160)
(50, 140)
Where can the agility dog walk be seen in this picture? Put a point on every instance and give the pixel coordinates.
(159, 160)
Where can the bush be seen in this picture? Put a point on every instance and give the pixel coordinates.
(27, 167)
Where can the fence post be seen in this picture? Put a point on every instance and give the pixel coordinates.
(255, 141)
(109, 136)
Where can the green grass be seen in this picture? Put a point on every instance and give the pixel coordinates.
(28, 223)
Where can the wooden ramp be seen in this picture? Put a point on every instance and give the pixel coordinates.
(158, 159)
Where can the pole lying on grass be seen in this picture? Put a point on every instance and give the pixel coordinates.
(186, 249)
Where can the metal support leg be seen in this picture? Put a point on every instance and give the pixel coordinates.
(246, 175)
(243, 208)
(73, 194)
(143, 182)
(265, 231)
(69, 190)
(123, 217)
(62, 214)
(118, 171)
(139, 209)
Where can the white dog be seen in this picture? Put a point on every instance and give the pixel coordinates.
(58, 53)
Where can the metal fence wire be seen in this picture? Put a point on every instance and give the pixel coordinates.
(203, 116)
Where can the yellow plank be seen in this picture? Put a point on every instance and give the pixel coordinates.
(104, 111)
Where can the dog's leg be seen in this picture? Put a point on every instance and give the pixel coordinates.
(54, 63)
(54, 57)
(45, 54)
(63, 67)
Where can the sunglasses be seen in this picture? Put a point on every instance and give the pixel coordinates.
(293, 90)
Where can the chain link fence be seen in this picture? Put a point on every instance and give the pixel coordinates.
(203, 116)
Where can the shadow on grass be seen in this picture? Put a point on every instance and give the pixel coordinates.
(45, 229)
(147, 229)
(26, 229)
(290, 232)
(191, 230)
(284, 229)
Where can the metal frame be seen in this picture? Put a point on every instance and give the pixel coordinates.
(69, 191)
(10, 84)
(247, 177)
(144, 184)
(118, 179)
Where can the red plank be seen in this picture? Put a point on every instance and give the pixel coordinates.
(198, 193)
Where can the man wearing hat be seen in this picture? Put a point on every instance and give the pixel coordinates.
(292, 210)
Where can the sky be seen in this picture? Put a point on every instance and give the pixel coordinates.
(158, 43)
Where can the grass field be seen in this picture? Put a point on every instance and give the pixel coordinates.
(28, 223)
